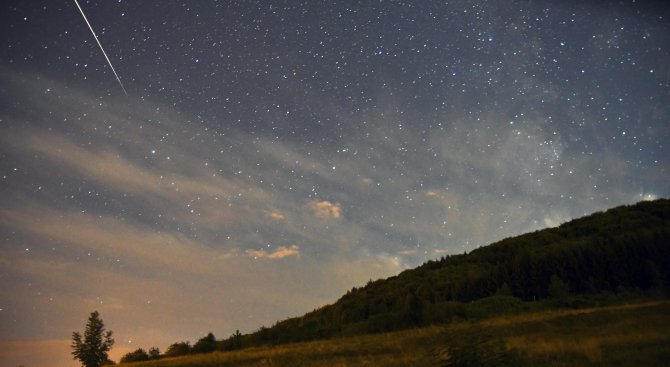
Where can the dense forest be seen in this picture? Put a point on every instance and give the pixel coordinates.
(625, 249)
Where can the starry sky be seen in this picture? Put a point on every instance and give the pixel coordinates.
(270, 155)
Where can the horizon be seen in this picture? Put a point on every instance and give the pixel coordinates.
(270, 157)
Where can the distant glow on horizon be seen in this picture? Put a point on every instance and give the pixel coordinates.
(649, 197)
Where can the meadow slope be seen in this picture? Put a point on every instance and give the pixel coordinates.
(632, 334)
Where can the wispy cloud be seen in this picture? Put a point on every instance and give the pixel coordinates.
(279, 253)
(113, 239)
(276, 215)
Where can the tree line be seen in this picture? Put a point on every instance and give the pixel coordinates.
(207, 344)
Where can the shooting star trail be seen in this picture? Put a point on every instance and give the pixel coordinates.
(101, 49)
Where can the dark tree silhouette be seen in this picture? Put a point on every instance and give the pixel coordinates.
(154, 353)
(92, 350)
(205, 345)
(178, 349)
(138, 355)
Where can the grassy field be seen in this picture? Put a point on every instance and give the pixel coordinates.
(626, 335)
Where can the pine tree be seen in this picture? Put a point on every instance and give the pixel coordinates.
(92, 350)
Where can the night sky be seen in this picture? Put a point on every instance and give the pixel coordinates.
(269, 156)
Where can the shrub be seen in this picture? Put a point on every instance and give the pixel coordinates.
(138, 355)
(178, 349)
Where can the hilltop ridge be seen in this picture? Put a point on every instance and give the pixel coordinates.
(627, 247)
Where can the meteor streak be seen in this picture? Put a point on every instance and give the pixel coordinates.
(101, 49)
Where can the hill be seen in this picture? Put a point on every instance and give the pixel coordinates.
(634, 334)
(600, 259)
(625, 248)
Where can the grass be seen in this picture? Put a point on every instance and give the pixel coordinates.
(625, 335)
(396, 349)
(628, 335)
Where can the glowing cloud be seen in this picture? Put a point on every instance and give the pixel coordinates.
(276, 216)
(326, 210)
(280, 253)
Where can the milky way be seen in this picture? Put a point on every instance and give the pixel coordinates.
(272, 156)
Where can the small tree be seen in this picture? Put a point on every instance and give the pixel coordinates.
(236, 340)
(92, 350)
(154, 353)
(205, 345)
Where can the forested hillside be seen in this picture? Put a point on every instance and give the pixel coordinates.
(625, 248)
